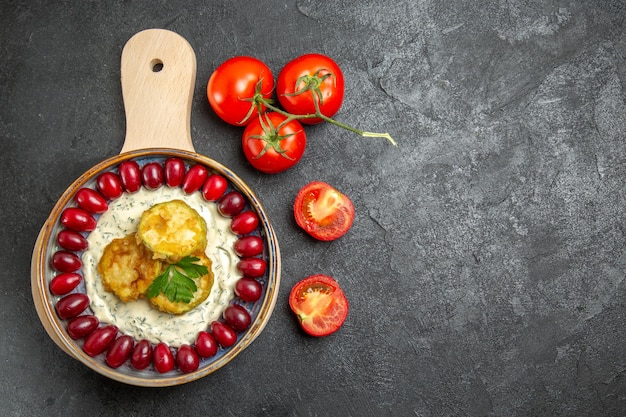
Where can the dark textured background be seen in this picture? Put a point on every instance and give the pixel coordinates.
(485, 268)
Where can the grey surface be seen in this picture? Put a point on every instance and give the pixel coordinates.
(485, 268)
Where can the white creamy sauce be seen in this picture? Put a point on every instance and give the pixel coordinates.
(138, 318)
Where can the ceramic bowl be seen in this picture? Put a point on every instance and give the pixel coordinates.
(43, 271)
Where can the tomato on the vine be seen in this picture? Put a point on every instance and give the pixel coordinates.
(310, 80)
(272, 143)
(320, 305)
(322, 211)
(233, 85)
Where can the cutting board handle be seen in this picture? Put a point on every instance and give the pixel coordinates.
(158, 72)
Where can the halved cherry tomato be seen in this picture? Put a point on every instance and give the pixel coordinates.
(232, 87)
(271, 145)
(322, 211)
(311, 79)
(320, 305)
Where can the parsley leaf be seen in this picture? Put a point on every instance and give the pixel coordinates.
(177, 280)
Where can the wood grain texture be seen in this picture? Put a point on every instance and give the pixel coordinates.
(158, 74)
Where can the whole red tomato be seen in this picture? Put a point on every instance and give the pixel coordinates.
(233, 85)
(272, 144)
(309, 80)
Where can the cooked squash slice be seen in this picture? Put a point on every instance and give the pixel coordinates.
(172, 230)
(127, 268)
(203, 284)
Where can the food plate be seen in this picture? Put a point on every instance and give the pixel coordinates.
(158, 75)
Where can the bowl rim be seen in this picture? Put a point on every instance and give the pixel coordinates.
(54, 325)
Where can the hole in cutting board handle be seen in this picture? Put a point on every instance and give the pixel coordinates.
(157, 65)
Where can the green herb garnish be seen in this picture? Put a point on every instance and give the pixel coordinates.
(177, 281)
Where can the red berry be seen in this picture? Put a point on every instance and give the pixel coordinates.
(187, 359)
(224, 334)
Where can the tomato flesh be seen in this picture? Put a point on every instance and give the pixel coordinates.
(319, 304)
(322, 211)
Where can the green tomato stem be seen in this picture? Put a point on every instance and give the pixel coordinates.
(319, 115)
